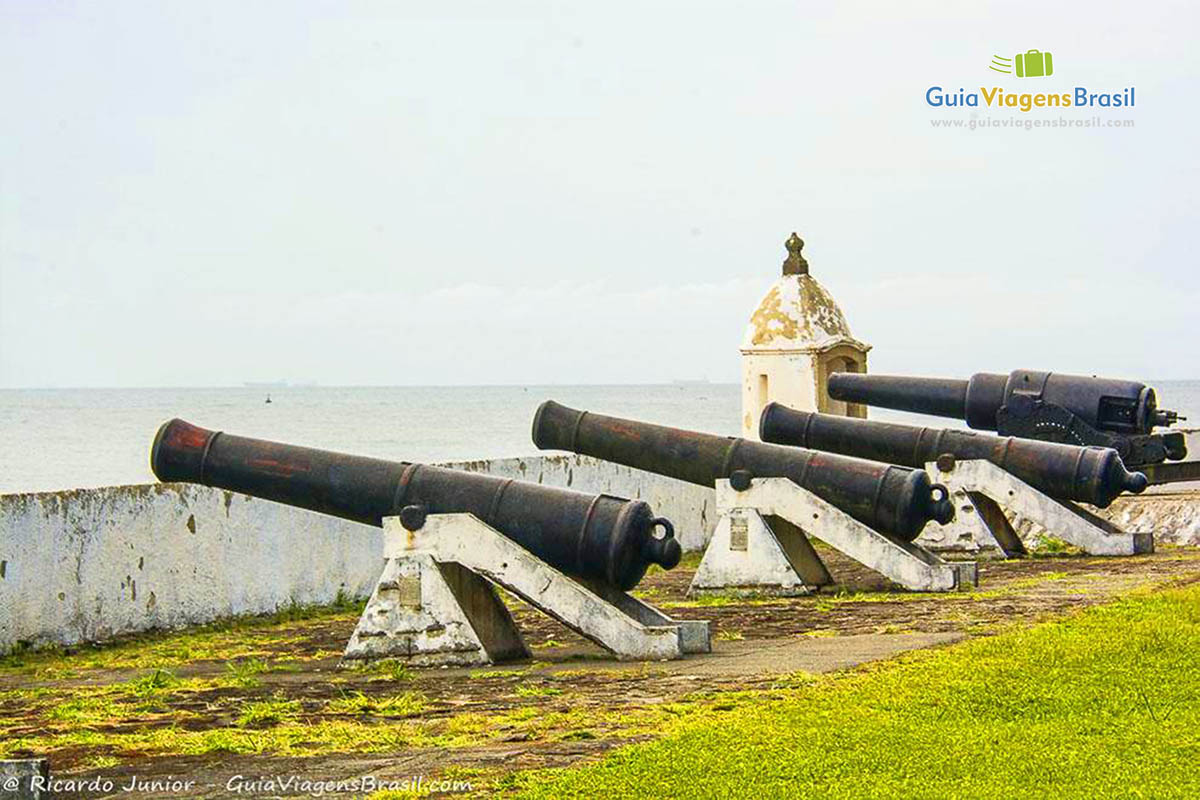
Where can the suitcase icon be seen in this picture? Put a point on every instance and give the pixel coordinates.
(1034, 64)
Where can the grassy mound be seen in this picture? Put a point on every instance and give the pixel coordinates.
(1103, 704)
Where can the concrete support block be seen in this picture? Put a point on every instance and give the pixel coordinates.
(985, 496)
(435, 603)
(979, 528)
(905, 563)
(434, 614)
(749, 554)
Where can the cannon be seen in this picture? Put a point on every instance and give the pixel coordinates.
(595, 536)
(1072, 409)
(1094, 475)
(896, 501)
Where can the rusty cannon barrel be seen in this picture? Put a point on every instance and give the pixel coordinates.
(1094, 475)
(1074, 409)
(896, 501)
(589, 535)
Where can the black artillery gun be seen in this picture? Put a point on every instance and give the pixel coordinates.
(992, 478)
(449, 535)
(771, 498)
(1053, 407)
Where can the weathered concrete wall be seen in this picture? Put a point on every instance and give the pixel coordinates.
(88, 564)
(1173, 517)
(85, 565)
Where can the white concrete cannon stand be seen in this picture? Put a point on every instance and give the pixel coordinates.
(435, 604)
(982, 492)
(761, 545)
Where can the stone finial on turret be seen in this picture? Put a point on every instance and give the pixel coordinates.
(794, 264)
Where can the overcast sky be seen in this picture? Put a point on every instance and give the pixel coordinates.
(207, 193)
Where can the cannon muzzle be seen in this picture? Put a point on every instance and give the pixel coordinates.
(594, 536)
(894, 500)
(1094, 475)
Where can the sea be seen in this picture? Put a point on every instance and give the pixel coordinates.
(54, 439)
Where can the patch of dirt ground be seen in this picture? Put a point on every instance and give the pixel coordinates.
(571, 702)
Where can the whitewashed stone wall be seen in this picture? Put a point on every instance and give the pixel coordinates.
(85, 565)
(88, 564)
(1173, 517)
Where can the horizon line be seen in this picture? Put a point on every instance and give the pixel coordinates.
(675, 382)
(269, 385)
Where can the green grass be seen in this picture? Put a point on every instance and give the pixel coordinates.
(717, 599)
(268, 712)
(828, 602)
(1103, 704)
(391, 670)
(152, 684)
(231, 639)
(1051, 547)
(88, 710)
(497, 673)
(244, 674)
(405, 704)
(91, 706)
(289, 737)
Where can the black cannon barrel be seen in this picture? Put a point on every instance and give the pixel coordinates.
(1107, 404)
(933, 396)
(1094, 475)
(893, 500)
(594, 536)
